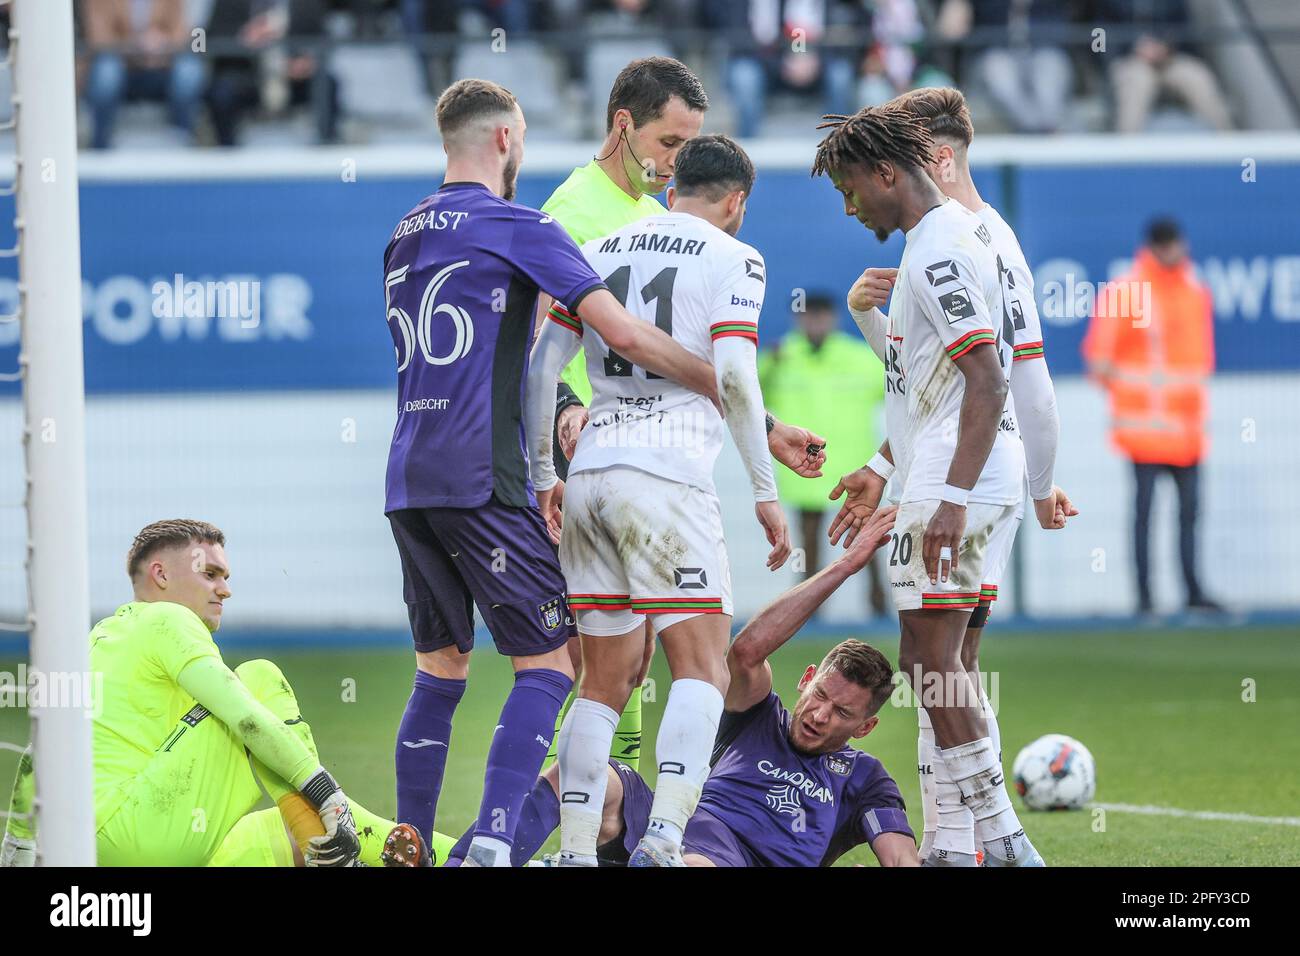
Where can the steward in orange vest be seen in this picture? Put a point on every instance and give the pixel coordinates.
(1151, 346)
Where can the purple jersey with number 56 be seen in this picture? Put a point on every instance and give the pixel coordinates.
(461, 277)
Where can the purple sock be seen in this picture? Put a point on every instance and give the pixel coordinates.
(422, 740)
(518, 749)
(538, 818)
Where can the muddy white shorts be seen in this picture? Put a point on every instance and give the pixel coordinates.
(981, 558)
(637, 544)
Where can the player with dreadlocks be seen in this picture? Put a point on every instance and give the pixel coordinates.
(946, 116)
(957, 471)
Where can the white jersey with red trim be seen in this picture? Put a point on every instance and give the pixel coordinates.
(947, 300)
(696, 283)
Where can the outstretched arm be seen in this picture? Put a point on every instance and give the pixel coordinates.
(645, 345)
(556, 345)
(751, 675)
(219, 690)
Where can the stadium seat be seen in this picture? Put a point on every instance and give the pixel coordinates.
(381, 83)
(528, 72)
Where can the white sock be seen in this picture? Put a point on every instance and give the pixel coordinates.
(925, 765)
(975, 768)
(955, 831)
(990, 718)
(583, 754)
(489, 851)
(683, 749)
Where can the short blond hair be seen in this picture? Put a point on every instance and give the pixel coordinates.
(169, 533)
(943, 110)
(468, 100)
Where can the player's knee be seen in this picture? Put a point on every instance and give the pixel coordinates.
(263, 678)
(612, 690)
(447, 663)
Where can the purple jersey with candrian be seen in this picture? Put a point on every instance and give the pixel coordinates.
(793, 809)
(461, 277)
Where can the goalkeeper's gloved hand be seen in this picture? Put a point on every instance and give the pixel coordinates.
(340, 845)
(17, 852)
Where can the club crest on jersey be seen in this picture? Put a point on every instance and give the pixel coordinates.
(690, 579)
(754, 270)
(550, 612)
(838, 764)
(942, 272)
(957, 305)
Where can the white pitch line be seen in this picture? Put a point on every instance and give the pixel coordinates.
(1153, 811)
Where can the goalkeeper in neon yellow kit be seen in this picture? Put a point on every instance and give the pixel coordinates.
(184, 746)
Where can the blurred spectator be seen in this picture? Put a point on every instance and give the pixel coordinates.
(647, 18)
(278, 69)
(889, 64)
(1027, 71)
(774, 45)
(437, 19)
(139, 51)
(513, 16)
(1151, 346)
(831, 380)
(1152, 65)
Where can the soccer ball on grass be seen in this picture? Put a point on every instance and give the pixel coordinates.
(1055, 772)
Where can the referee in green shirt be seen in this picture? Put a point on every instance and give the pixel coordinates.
(655, 106)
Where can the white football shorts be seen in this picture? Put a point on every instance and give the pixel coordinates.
(981, 558)
(633, 544)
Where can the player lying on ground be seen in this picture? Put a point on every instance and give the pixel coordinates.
(946, 116)
(959, 463)
(643, 525)
(175, 732)
(462, 273)
(655, 107)
(785, 788)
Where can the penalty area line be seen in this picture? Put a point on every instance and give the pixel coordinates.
(1153, 811)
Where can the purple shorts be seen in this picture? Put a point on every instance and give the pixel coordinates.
(495, 556)
(705, 833)
(711, 838)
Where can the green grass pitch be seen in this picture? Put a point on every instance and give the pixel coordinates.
(1169, 716)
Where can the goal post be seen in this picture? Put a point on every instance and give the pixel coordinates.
(50, 359)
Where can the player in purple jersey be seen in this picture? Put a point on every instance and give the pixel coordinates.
(786, 789)
(462, 273)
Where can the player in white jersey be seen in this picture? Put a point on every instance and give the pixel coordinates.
(642, 528)
(946, 406)
(946, 116)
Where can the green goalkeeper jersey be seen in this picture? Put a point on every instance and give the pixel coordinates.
(138, 657)
(140, 651)
(589, 205)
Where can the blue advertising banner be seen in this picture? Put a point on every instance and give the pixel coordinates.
(277, 284)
